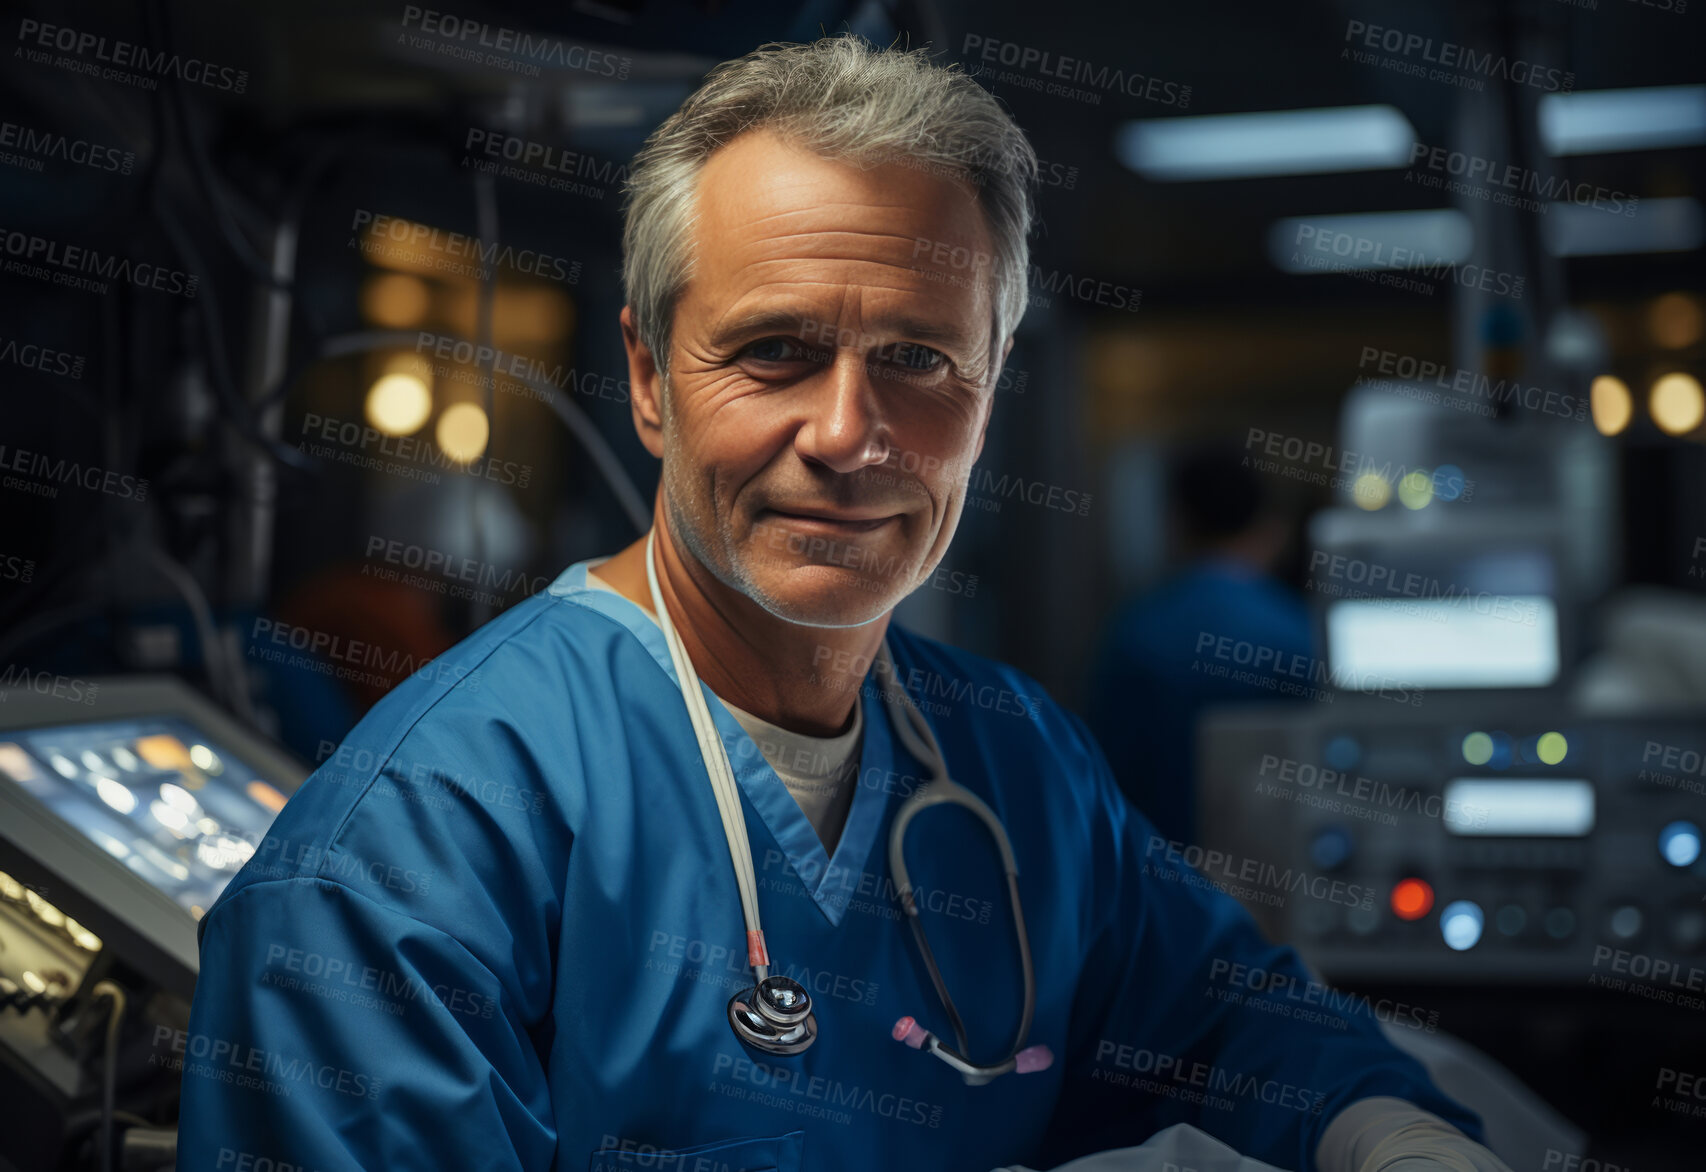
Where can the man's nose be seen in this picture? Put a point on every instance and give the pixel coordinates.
(846, 430)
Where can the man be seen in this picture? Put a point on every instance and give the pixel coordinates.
(500, 929)
(1150, 667)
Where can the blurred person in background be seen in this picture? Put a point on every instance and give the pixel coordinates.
(1149, 689)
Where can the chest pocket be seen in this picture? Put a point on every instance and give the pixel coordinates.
(783, 1153)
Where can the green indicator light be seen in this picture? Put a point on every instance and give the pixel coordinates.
(1415, 490)
(1553, 747)
(1478, 748)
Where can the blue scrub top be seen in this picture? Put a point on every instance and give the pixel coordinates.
(499, 929)
(1149, 690)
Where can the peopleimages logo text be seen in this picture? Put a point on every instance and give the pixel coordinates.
(534, 50)
(384, 230)
(75, 258)
(1043, 63)
(1515, 180)
(130, 55)
(64, 471)
(1450, 55)
(1468, 385)
(50, 144)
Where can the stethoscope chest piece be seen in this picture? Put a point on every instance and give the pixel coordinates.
(774, 1016)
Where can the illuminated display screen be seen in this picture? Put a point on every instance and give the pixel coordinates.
(1489, 641)
(1519, 808)
(181, 812)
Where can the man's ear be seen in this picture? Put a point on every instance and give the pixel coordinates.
(645, 386)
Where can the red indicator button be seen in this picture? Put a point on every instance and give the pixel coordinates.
(1412, 899)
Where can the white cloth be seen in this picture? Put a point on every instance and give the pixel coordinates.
(1384, 1134)
(1180, 1146)
(1371, 1135)
(820, 772)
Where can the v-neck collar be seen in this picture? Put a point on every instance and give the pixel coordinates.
(832, 882)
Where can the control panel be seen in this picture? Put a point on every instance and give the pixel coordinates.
(1473, 839)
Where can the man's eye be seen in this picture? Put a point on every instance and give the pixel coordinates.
(915, 357)
(777, 350)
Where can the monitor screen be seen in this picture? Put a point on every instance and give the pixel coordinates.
(181, 811)
(1491, 641)
(1519, 807)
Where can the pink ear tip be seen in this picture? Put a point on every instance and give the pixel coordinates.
(1033, 1058)
(908, 1031)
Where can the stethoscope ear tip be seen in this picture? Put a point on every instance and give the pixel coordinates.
(909, 1031)
(1026, 1061)
(1033, 1058)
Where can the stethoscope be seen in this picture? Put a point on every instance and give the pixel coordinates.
(775, 1015)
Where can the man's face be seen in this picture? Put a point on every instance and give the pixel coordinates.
(831, 378)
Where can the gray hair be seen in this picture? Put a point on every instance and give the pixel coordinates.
(845, 99)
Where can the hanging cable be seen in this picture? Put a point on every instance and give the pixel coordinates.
(102, 991)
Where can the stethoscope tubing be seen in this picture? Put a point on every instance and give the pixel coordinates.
(915, 732)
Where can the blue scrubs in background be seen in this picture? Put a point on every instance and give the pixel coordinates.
(499, 929)
(1148, 688)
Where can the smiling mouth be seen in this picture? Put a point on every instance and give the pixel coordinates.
(833, 522)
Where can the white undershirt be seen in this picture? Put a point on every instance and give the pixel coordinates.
(820, 772)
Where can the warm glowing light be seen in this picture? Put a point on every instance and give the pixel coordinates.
(16, 764)
(538, 314)
(263, 794)
(1675, 320)
(164, 751)
(523, 316)
(206, 759)
(1412, 899)
(1371, 491)
(397, 404)
(462, 432)
(83, 938)
(1611, 403)
(45, 911)
(1677, 403)
(396, 300)
(1416, 490)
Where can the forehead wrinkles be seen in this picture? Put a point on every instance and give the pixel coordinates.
(839, 283)
(832, 270)
(853, 241)
(819, 234)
